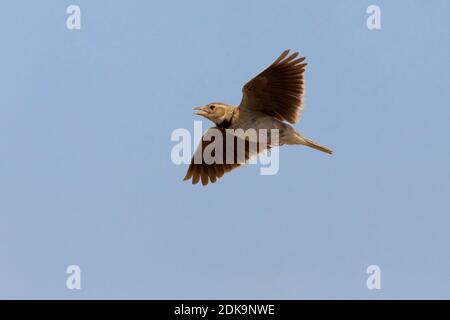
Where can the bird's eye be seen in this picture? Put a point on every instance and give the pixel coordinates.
(212, 107)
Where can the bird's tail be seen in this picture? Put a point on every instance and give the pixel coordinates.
(312, 144)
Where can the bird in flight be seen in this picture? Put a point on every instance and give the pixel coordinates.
(271, 100)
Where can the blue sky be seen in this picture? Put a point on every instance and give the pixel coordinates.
(87, 179)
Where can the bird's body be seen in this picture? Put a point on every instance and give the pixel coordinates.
(243, 119)
(270, 100)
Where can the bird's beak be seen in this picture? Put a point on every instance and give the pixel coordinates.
(203, 111)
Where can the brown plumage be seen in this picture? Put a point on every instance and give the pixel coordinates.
(272, 98)
(278, 90)
(204, 171)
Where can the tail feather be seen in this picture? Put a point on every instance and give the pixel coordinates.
(317, 146)
(299, 139)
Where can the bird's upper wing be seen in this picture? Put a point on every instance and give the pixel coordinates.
(199, 169)
(278, 90)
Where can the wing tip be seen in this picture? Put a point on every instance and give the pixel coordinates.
(291, 58)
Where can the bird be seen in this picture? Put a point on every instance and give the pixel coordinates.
(271, 100)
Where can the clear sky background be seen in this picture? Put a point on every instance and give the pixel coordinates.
(86, 176)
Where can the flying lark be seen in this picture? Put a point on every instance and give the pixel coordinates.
(270, 100)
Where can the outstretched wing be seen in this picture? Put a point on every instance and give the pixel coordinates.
(231, 151)
(278, 90)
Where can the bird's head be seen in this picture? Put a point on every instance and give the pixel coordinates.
(216, 112)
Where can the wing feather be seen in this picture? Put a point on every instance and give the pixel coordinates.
(212, 172)
(278, 90)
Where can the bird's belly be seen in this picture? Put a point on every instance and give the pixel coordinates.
(263, 126)
(258, 123)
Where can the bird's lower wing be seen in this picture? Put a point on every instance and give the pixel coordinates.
(219, 152)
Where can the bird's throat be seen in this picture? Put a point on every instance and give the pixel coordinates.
(227, 121)
(225, 124)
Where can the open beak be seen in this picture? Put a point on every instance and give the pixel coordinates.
(203, 111)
